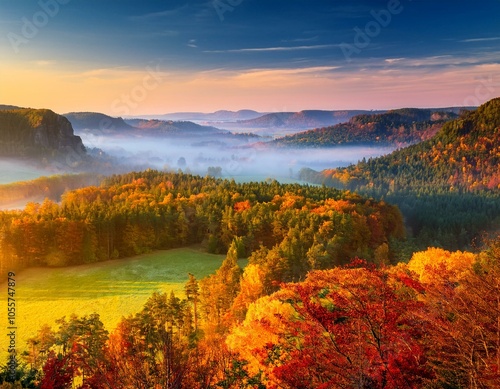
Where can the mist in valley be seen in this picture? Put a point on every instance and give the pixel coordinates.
(242, 160)
(15, 170)
(228, 156)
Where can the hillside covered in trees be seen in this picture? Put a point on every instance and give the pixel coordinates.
(397, 127)
(447, 187)
(322, 302)
(301, 227)
(430, 324)
(41, 188)
(299, 120)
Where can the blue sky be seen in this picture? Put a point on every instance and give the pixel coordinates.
(234, 54)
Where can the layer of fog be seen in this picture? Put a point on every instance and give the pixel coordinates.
(15, 170)
(246, 161)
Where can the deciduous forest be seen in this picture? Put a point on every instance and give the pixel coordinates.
(431, 323)
(447, 187)
(229, 194)
(322, 303)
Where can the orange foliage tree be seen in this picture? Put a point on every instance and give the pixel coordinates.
(346, 327)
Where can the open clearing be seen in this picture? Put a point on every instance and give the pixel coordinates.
(113, 288)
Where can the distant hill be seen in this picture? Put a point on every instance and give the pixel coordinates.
(276, 123)
(155, 127)
(219, 116)
(397, 127)
(244, 114)
(464, 154)
(36, 132)
(300, 120)
(82, 121)
(91, 122)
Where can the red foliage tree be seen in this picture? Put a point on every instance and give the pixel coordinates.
(353, 327)
(57, 372)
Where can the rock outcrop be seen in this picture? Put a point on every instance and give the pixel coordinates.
(25, 132)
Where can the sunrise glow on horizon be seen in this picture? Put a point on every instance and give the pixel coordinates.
(131, 58)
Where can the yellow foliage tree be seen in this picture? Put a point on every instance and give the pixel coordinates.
(251, 289)
(265, 322)
(455, 264)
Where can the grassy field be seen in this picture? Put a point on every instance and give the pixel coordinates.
(113, 289)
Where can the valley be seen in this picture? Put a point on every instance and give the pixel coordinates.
(240, 194)
(196, 211)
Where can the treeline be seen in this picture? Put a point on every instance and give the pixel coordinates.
(446, 186)
(139, 212)
(430, 324)
(398, 127)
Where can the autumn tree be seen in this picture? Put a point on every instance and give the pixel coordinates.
(39, 347)
(219, 290)
(192, 291)
(347, 327)
(462, 298)
(251, 289)
(57, 372)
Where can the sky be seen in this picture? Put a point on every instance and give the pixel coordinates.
(132, 57)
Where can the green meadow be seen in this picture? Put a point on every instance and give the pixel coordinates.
(113, 289)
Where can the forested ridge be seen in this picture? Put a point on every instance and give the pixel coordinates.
(397, 127)
(310, 227)
(447, 187)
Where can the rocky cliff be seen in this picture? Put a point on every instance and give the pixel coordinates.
(34, 132)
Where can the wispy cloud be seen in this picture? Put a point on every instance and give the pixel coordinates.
(297, 40)
(393, 60)
(443, 60)
(480, 39)
(160, 14)
(44, 62)
(268, 49)
(119, 74)
(291, 72)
